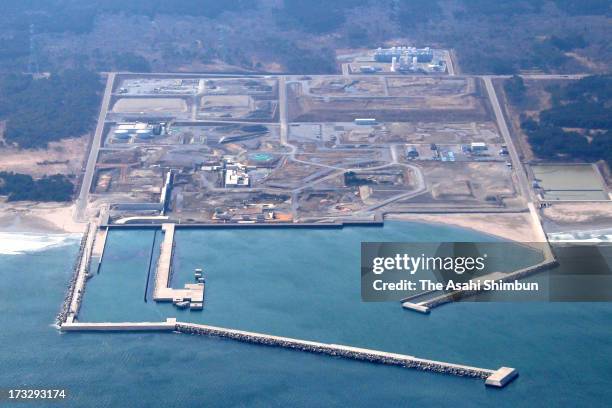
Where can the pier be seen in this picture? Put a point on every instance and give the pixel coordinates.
(164, 263)
(426, 306)
(494, 378)
(192, 292)
(169, 325)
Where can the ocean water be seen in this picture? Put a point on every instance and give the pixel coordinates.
(563, 351)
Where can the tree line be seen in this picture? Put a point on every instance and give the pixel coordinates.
(22, 187)
(39, 111)
(585, 105)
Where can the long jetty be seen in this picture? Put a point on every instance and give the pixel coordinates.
(192, 292)
(72, 302)
(453, 296)
(162, 274)
(494, 378)
(70, 290)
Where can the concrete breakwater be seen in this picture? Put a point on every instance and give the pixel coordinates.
(76, 287)
(168, 326)
(426, 306)
(83, 272)
(496, 378)
(65, 307)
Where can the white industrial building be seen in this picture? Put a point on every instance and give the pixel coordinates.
(478, 147)
(236, 174)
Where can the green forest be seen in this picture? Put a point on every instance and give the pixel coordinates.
(22, 187)
(538, 35)
(515, 89)
(39, 111)
(585, 105)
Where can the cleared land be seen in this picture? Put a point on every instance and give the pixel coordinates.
(63, 157)
(152, 105)
(231, 163)
(405, 99)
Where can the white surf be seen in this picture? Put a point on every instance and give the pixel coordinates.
(17, 243)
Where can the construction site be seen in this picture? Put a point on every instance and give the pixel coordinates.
(262, 149)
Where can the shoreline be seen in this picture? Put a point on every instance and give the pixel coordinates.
(57, 218)
(511, 226)
(46, 218)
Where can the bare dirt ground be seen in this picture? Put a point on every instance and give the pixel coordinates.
(584, 214)
(514, 227)
(63, 157)
(135, 105)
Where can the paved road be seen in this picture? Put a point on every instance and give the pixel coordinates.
(552, 76)
(519, 170)
(81, 203)
(449, 63)
(297, 76)
(524, 188)
(282, 109)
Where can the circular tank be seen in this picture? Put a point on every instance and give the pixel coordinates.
(261, 157)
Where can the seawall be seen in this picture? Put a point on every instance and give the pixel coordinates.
(495, 378)
(426, 306)
(168, 325)
(288, 225)
(65, 307)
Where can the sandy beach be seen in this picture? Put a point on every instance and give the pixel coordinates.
(514, 227)
(38, 217)
(58, 218)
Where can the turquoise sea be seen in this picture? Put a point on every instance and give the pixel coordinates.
(297, 283)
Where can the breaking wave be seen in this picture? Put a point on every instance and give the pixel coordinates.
(17, 243)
